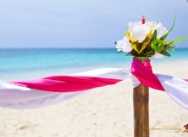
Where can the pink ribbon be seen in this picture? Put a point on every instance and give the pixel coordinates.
(67, 83)
(143, 72)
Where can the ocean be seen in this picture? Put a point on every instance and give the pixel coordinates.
(31, 63)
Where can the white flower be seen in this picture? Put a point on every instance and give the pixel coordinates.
(123, 45)
(138, 31)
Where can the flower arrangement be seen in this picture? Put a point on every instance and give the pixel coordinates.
(146, 39)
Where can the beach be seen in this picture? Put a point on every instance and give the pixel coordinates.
(101, 112)
(71, 68)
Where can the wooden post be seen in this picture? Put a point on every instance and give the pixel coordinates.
(141, 107)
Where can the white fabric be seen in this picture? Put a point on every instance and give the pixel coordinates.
(116, 73)
(15, 96)
(176, 88)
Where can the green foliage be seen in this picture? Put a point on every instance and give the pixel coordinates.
(165, 35)
(164, 52)
(177, 40)
(154, 35)
(157, 45)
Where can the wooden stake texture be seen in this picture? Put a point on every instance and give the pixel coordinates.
(141, 107)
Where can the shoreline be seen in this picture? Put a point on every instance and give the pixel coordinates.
(158, 68)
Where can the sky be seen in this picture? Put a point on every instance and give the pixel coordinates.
(83, 23)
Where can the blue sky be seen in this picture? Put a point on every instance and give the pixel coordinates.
(83, 23)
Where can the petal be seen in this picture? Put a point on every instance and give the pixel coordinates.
(118, 50)
(119, 44)
(127, 45)
(124, 45)
(127, 48)
(161, 30)
(139, 32)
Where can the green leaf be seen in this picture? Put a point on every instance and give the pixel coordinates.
(149, 53)
(152, 52)
(171, 47)
(164, 52)
(154, 35)
(165, 35)
(177, 40)
(157, 45)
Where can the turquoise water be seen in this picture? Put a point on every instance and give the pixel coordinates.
(67, 61)
(14, 60)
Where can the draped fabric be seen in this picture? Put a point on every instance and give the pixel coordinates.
(55, 89)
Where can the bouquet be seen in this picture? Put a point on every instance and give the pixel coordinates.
(146, 39)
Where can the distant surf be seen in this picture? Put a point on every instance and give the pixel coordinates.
(33, 62)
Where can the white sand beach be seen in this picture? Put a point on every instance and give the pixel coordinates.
(102, 112)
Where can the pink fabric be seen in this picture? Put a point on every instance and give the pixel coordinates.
(143, 72)
(67, 83)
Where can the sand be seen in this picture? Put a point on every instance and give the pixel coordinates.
(102, 112)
